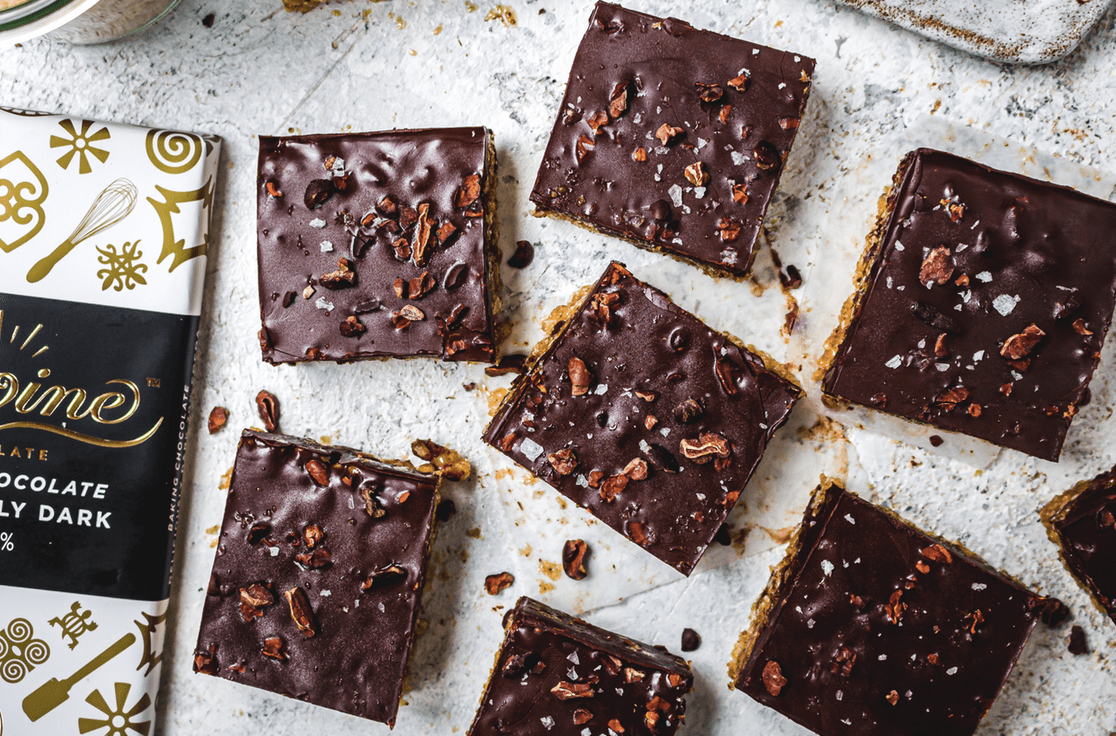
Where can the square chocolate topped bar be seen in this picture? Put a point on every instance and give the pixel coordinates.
(673, 137)
(557, 675)
(981, 304)
(645, 417)
(378, 245)
(872, 627)
(319, 571)
(1082, 522)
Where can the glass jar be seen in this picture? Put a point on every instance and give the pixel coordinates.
(80, 21)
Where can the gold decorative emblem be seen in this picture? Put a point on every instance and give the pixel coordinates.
(124, 269)
(111, 206)
(23, 189)
(119, 720)
(173, 152)
(20, 652)
(170, 206)
(80, 143)
(148, 629)
(55, 692)
(33, 398)
(74, 624)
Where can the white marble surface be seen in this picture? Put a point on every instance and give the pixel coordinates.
(369, 66)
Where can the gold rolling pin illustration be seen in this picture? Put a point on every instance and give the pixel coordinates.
(56, 692)
(111, 206)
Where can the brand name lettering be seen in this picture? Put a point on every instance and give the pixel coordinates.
(114, 406)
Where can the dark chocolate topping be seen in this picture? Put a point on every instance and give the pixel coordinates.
(352, 556)
(734, 106)
(557, 675)
(881, 629)
(1087, 531)
(1004, 255)
(692, 410)
(368, 207)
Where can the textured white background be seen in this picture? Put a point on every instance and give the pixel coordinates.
(431, 63)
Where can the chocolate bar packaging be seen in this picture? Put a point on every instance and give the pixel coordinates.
(103, 241)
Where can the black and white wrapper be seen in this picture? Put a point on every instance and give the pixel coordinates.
(103, 241)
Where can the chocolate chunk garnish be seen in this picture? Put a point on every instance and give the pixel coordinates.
(315, 560)
(384, 577)
(563, 461)
(618, 100)
(580, 376)
(317, 193)
(688, 411)
(571, 690)
(773, 678)
(937, 267)
(519, 665)
(217, 419)
(421, 285)
(1052, 612)
(275, 648)
(767, 156)
(1019, 346)
(301, 613)
(312, 536)
(574, 552)
(496, 584)
(705, 448)
(318, 471)
(352, 327)
(343, 278)
(662, 459)
(710, 92)
(469, 192)
(690, 640)
(938, 553)
(205, 663)
(424, 231)
(667, 134)
(1078, 644)
(524, 254)
(696, 174)
(256, 595)
(268, 407)
(258, 532)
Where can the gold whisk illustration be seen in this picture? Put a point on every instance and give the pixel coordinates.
(111, 206)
